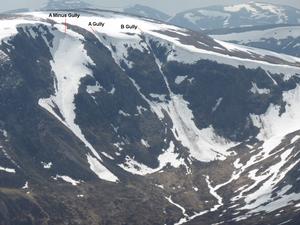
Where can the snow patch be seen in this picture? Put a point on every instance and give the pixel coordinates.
(101, 171)
(294, 139)
(145, 143)
(213, 192)
(260, 91)
(108, 156)
(272, 124)
(26, 186)
(218, 103)
(180, 79)
(47, 165)
(239, 7)
(121, 112)
(67, 179)
(92, 89)
(167, 157)
(8, 170)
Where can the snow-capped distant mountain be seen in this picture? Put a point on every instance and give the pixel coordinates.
(240, 15)
(145, 11)
(282, 39)
(17, 10)
(66, 4)
(133, 121)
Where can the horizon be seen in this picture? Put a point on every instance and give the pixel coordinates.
(166, 7)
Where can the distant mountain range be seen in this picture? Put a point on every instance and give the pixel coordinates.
(279, 38)
(230, 16)
(148, 12)
(240, 15)
(268, 26)
(66, 4)
(205, 18)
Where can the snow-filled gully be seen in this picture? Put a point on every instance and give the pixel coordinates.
(204, 145)
(67, 81)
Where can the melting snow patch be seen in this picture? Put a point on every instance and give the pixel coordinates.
(239, 7)
(26, 186)
(112, 91)
(47, 165)
(3, 57)
(108, 156)
(180, 207)
(167, 157)
(101, 171)
(145, 143)
(260, 91)
(162, 98)
(294, 139)
(273, 124)
(212, 191)
(119, 146)
(140, 109)
(204, 145)
(186, 217)
(8, 170)
(160, 186)
(93, 89)
(261, 191)
(218, 103)
(4, 133)
(196, 189)
(67, 179)
(121, 112)
(180, 79)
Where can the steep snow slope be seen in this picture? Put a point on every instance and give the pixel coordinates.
(204, 145)
(67, 79)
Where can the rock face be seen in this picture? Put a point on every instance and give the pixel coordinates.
(239, 15)
(144, 123)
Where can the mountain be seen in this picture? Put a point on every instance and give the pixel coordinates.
(282, 39)
(17, 11)
(65, 4)
(239, 15)
(133, 121)
(145, 11)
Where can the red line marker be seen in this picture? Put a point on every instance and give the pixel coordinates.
(92, 29)
(65, 24)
